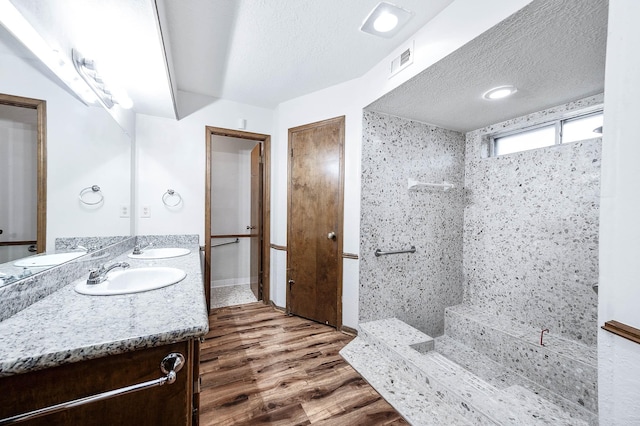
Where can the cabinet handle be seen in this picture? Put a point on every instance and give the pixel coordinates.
(170, 365)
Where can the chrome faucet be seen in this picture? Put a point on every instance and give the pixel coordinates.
(96, 276)
(138, 250)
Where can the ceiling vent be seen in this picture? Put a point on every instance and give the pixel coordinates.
(403, 60)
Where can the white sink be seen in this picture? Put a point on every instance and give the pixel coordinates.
(160, 253)
(48, 259)
(126, 281)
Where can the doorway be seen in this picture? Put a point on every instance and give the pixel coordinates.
(23, 177)
(237, 213)
(315, 221)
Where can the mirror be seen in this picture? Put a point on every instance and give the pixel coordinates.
(23, 177)
(75, 147)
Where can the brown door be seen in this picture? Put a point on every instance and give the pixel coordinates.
(314, 235)
(256, 221)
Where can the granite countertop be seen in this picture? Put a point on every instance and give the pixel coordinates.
(67, 327)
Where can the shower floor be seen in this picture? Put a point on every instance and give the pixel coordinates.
(231, 295)
(443, 382)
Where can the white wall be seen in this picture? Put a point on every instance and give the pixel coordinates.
(230, 209)
(85, 147)
(171, 154)
(619, 291)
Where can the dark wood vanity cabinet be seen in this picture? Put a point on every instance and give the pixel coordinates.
(170, 404)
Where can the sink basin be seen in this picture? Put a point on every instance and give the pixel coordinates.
(126, 281)
(160, 253)
(48, 259)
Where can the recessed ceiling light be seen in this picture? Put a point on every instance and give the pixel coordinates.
(385, 20)
(499, 92)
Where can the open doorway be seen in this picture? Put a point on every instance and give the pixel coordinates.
(237, 217)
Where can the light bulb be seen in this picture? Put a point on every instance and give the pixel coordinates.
(385, 22)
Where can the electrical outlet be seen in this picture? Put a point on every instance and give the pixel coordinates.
(145, 212)
(124, 210)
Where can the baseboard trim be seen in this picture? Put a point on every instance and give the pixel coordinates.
(348, 330)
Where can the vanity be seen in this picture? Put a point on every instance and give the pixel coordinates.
(67, 346)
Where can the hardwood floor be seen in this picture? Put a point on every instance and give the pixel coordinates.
(259, 366)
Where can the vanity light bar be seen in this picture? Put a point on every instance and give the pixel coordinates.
(86, 68)
(19, 27)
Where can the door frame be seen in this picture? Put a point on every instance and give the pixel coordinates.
(340, 231)
(41, 109)
(266, 206)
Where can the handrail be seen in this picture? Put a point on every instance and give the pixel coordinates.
(170, 366)
(234, 236)
(17, 243)
(622, 330)
(237, 240)
(384, 253)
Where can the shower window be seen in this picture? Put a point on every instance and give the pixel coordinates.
(579, 127)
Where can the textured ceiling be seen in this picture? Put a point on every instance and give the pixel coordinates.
(263, 52)
(552, 51)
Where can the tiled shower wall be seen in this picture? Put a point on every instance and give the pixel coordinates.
(412, 287)
(531, 230)
(529, 222)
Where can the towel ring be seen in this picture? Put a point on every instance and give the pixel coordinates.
(93, 189)
(171, 194)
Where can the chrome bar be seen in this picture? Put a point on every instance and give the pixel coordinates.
(384, 253)
(229, 242)
(170, 365)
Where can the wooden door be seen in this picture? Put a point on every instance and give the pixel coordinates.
(314, 235)
(256, 222)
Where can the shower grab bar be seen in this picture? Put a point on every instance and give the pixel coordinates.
(170, 366)
(228, 242)
(384, 253)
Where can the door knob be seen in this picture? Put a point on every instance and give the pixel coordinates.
(331, 235)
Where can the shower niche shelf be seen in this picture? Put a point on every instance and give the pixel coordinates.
(413, 185)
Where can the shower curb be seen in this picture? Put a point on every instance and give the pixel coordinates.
(411, 354)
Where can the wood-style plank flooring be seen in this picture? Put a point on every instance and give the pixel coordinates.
(261, 367)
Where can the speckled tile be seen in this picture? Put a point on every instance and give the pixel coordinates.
(502, 377)
(231, 295)
(66, 327)
(439, 378)
(412, 287)
(529, 248)
(562, 366)
(90, 243)
(168, 240)
(531, 229)
(418, 404)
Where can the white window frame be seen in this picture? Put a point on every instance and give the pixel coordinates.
(558, 123)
